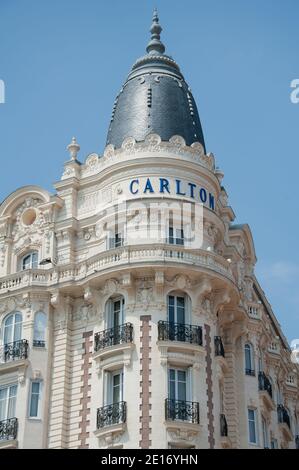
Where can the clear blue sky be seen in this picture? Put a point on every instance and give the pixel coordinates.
(63, 62)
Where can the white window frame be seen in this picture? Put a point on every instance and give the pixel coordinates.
(38, 417)
(7, 387)
(188, 381)
(177, 235)
(255, 426)
(108, 395)
(187, 306)
(110, 311)
(115, 241)
(44, 330)
(13, 326)
(33, 264)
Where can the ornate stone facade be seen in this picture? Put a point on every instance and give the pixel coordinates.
(80, 274)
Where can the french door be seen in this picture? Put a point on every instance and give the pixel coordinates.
(176, 317)
(8, 397)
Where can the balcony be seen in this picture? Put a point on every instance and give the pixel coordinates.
(117, 258)
(180, 410)
(8, 432)
(113, 336)
(112, 414)
(224, 439)
(264, 383)
(284, 422)
(250, 372)
(219, 349)
(265, 391)
(283, 415)
(38, 343)
(168, 331)
(114, 344)
(111, 422)
(14, 354)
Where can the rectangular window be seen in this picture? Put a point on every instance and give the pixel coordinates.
(116, 241)
(8, 397)
(252, 426)
(35, 396)
(265, 434)
(175, 236)
(114, 387)
(176, 309)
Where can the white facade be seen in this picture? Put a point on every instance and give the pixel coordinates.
(98, 275)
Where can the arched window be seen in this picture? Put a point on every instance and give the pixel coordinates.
(249, 359)
(30, 261)
(12, 330)
(40, 323)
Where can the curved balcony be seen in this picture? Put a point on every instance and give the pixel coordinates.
(181, 410)
(150, 254)
(111, 337)
(114, 345)
(8, 431)
(284, 422)
(14, 356)
(110, 415)
(168, 331)
(111, 421)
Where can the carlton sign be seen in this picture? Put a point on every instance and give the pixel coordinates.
(153, 185)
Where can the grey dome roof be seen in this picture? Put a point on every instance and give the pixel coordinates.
(155, 99)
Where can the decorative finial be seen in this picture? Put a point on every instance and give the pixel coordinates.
(73, 148)
(155, 45)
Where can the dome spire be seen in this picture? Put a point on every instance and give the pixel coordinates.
(155, 45)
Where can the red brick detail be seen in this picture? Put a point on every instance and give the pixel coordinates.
(209, 382)
(145, 383)
(85, 388)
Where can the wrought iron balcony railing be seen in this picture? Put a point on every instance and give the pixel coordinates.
(112, 414)
(297, 441)
(264, 383)
(37, 343)
(168, 331)
(8, 429)
(113, 336)
(283, 415)
(180, 410)
(219, 349)
(223, 425)
(14, 351)
(250, 372)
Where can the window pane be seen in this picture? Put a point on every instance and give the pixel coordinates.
(18, 332)
(251, 422)
(34, 260)
(181, 391)
(35, 389)
(40, 326)
(11, 407)
(248, 357)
